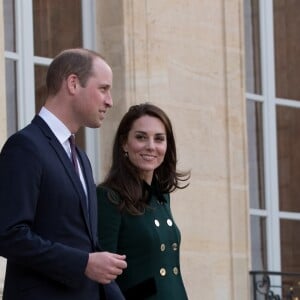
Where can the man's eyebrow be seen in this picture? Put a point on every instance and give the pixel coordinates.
(105, 85)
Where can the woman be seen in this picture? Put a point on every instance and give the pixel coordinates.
(134, 205)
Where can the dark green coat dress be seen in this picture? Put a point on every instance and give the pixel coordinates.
(151, 244)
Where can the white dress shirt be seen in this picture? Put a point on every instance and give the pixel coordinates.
(62, 133)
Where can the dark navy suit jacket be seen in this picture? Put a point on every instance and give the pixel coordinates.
(46, 228)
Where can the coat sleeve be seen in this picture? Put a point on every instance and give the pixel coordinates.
(21, 177)
(109, 221)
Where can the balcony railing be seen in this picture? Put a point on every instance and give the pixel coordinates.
(268, 285)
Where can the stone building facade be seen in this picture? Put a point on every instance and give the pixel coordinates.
(188, 58)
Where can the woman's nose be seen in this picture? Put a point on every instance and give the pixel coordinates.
(150, 144)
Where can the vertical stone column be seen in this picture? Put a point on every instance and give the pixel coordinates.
(187, 57)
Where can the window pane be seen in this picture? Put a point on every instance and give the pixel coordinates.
(40, 86)
(255, 154)
(9, 25)
(57, 26)
(287, 46)
(252, 47)
(288, 143)
(290, 255)
(11, 96)
(290, 245)
(258, 243)
(41, 94)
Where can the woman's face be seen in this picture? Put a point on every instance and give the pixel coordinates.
(146, 145)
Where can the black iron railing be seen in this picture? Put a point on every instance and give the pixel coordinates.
(268, 285)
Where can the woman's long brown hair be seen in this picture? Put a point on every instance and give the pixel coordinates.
(123, 176)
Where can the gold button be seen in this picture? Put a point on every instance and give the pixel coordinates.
(175, 271)
(156, 223)
(175, 246)
(162, 247)
(169, 222)
(163, 272)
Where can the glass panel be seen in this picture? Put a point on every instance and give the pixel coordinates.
(9, 25)
(290, 245)
(252, 47)
(41, 94)
(11, 96)
(57, 26)
(40, 86)
(255, 154)
(287, 45)
(258, 243)
(290, 256)
(288, 143)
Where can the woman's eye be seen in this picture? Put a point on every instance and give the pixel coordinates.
(140, 137)
(160, 138)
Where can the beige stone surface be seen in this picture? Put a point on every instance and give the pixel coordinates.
(187, 57)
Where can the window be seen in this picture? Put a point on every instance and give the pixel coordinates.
(35, 31)
(273, 114)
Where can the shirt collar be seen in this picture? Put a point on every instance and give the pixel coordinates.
(59, 129)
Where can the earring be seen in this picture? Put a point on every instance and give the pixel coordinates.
(126, 154)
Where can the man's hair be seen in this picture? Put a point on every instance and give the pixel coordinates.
(76, 61)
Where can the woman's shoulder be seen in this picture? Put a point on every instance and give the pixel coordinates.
(107, 193)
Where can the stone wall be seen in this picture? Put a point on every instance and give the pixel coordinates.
(187, 57)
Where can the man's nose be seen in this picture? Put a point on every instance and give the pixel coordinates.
(109, 100)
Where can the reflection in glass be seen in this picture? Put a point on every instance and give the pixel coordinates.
(255, 154)
(288, 143)
(11, 96)
(290, 245)
(287, 46)
(258, 243)
(57, 26)
(9, 25)
(40, 86)
(252, 47)
(41, 95)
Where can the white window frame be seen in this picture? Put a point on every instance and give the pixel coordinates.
(269, 101)
(25, 61)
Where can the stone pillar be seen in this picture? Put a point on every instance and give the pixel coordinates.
(187, 57)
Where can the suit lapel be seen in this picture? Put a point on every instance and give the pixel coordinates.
(64, 159)
(91, 193)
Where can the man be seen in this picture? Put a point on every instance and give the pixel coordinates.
(47, 206)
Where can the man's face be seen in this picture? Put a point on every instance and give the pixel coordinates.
(95, 99)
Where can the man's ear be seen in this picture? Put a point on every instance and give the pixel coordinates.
(72, 83)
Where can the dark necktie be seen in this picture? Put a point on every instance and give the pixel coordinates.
(73, 153)
(74, 159)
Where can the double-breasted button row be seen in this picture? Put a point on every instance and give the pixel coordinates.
(163, 271)
(169, 222)
(163, 247)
